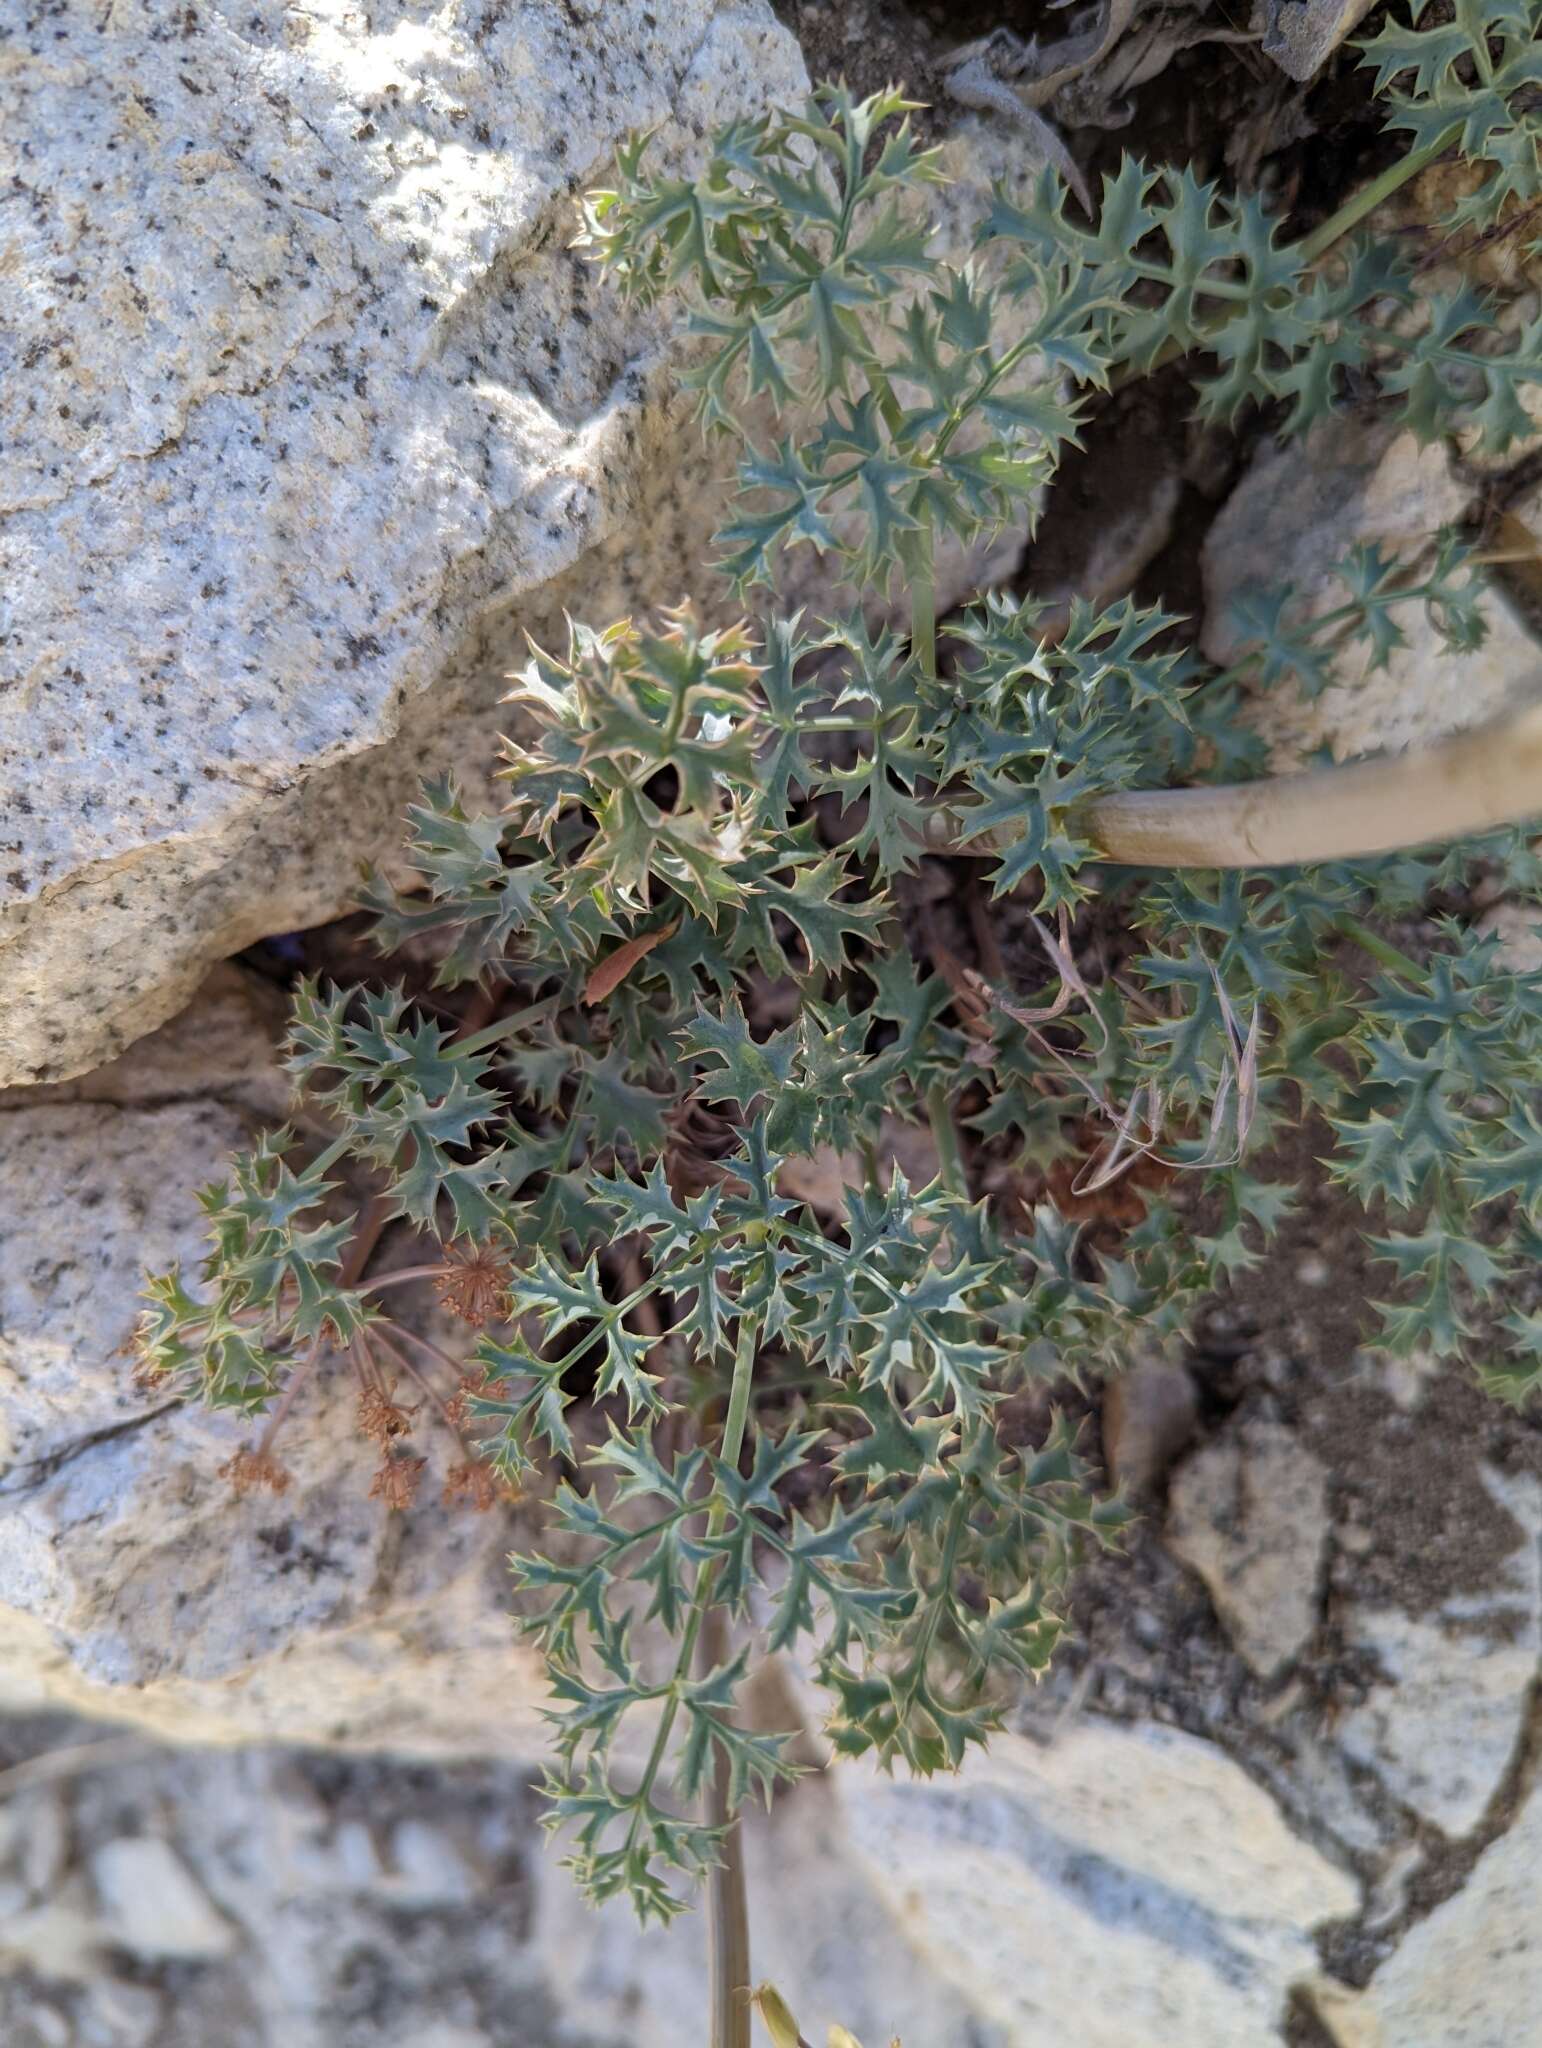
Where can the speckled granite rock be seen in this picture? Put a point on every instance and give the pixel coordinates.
(132, 1581)
(1468, 1976)
(347, 418)
(310, 409)
(1443, 1723)
(1115, 1885)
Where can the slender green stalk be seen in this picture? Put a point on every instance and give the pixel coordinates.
(739, 1397)
(1369, 197)
(945, 1132)
(506, 1026)
(1379, 949)
(917, 555)
(324, 1161)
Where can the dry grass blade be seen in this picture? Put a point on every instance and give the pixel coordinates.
(1127, 1149)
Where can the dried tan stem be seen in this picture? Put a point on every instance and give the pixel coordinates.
(1450, 789)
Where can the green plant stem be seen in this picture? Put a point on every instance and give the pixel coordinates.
(945, 1132)
(505, 1026)
(1379, 948)
(738, 1398)
(917, 557)
(1370, 196)
(325, 1160)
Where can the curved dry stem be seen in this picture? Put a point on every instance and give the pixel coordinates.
(1451, 789)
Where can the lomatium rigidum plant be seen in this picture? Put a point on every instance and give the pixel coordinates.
(775, 1428)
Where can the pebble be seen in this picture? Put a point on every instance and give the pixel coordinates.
(354, 1848)
(429, 1870)
(1149, 1415)
(44, 1842)
(152, 1903)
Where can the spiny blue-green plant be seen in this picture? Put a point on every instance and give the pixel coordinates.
(695, 921)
